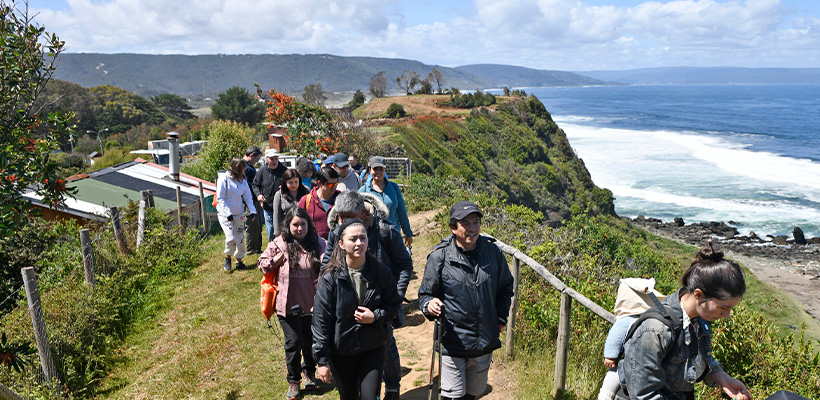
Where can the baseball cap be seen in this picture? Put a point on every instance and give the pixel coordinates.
(462, 209)
(340, 159)
(271, 153)
(376, 161)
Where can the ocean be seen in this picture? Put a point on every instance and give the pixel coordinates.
(749, 154)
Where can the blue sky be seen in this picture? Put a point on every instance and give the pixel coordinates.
(573, 35)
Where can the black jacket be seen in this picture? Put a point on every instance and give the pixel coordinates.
(335, 331)
(476, 300)
(267, 182)
(384, 242)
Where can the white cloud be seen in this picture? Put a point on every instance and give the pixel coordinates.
(549, 34)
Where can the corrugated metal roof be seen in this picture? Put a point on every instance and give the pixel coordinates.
(101, 193)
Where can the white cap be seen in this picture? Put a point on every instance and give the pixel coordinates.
(271, 153)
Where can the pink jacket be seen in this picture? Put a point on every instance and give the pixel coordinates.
(275, 247)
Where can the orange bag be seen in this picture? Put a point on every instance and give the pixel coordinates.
(270, 289)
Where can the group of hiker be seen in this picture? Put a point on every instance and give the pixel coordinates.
(338, 253)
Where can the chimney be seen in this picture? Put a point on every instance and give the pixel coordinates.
(173, 155)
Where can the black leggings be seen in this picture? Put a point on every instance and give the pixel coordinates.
(358, 376)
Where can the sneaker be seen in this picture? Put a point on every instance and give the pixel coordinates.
(391, 396)
(228, 265)
(310, 382)
(240, 266)
(293, 391)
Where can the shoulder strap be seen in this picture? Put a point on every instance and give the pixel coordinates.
(658, 312)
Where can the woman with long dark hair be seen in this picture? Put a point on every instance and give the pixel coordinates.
(232, 196)
(295, 255)
(669, 349)
(356, 299)
(290, 192)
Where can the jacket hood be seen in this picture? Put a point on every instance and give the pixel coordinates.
(381, 210)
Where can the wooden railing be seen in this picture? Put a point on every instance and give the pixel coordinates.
(567, 296)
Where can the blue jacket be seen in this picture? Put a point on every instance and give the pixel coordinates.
(394, 201)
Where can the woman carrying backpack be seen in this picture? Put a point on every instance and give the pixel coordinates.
(356, 299)
(666, 354)
(295, 254)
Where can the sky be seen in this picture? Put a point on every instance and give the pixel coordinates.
(567, 35)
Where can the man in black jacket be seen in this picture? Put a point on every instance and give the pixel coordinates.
(386, 243)
(467, 280)
(266, 184)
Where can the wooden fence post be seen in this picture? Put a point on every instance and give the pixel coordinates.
(7, 394)
(88, 257)
(115, 221)
(516, 270)
(179, 206)
(202, 208)
(41, 336)
(562, 345)
(150, 198)
(141, 223)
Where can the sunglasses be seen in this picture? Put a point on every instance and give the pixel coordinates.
(331, 184)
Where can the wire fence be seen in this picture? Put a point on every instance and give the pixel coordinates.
(69, 304)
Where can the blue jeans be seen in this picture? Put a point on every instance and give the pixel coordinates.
(392, 363)
(268, 223)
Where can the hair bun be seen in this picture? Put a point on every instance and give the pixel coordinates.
(709, 253)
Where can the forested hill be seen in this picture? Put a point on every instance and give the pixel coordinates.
(149, 75)
(512, 76)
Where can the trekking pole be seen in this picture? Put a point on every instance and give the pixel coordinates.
(440, 334)
(433, 358)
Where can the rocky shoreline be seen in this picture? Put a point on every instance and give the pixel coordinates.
(801, 253)
(791, 265)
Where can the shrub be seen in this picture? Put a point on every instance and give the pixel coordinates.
(395, 111)
(225, 140)
(84, 330)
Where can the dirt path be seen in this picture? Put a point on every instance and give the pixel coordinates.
(415, 338)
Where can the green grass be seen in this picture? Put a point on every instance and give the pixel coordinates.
(209, 342)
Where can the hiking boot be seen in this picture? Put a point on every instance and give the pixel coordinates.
(391, 396)
(293, 391)
(228, 265)
(310, 382)
(240, 266)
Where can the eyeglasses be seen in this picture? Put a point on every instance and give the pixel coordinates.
(331, 184)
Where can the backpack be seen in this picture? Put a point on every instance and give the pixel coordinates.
(634, 296)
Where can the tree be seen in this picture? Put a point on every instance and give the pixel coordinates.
(69, 97)
(407, 81)
(425, 87)
(437, 77)
(311, 129)
(357, 101)
(378, 84)
(119, 110)
(172, 104)
(237, 104)
(226, 140)
(27, 137)
(314, 95)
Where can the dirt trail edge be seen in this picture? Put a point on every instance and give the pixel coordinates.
(415, 338)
